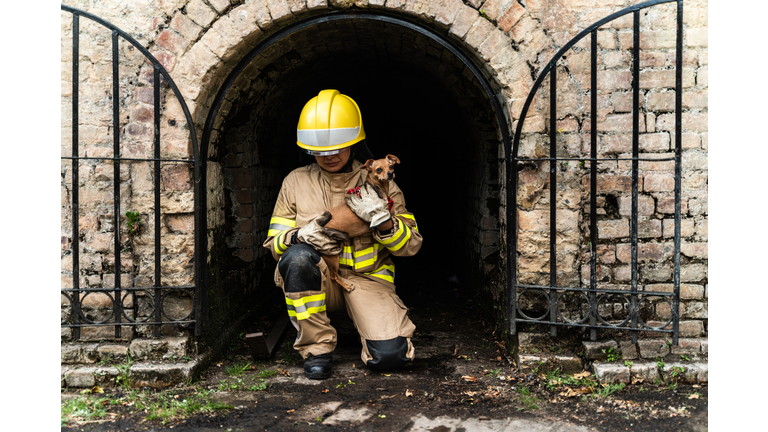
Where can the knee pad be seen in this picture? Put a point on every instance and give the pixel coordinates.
(298, 267)
(388, 354)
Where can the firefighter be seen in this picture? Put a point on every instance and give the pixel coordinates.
(331, 129)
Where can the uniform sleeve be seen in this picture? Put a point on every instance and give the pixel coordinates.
(282, 225)
(405, 239)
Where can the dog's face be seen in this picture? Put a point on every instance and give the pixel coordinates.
(382, 170)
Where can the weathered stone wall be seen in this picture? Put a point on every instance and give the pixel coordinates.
(199, 41)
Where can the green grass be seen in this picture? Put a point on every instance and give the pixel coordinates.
(168, 406)
(82, 409)
(527, 399)
(557, 379)
(238, 384)
(603, 392)
(267, 373)
(237, 369)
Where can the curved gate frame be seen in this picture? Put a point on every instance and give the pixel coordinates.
(159, 292)
(592, 291)
(381, 16)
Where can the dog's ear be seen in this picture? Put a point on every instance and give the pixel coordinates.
(393, 159)
(368, 164)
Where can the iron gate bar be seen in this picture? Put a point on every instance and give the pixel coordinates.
(633, 308)
(117, 304)
(333, 17)
(118, 289)
(75, 300)
(593, 187)
(678, 163)
(552, 199)
(551, 69)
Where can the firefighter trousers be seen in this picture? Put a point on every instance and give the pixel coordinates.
(378, 314)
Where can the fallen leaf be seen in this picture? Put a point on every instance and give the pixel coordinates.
(455, 349)
(324, 391)
(97, 389)
(580, 375)
(408, 393)
(388, 397)
(600, 409)
(469, 378)
(462, 357)
(284, 372)
(696, 386)
(470, 393)
(381, 389)
(386, 374)
(291, 410)
(693, 396)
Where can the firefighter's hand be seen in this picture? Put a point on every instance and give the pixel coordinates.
(326, 241)
(369, 206)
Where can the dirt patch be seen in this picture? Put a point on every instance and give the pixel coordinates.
(459, 373)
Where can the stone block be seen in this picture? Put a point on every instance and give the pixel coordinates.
(628, 350)
(694, 250)
(599, 350)
(644, 372)
(613, 183)
(113, 351)
(172, 41)
(686, 228)
(220, 5)
(81, 377)
(176, 177)
(70, 353)
(511, 16)
(692, 272)
(447, 12)
(569, 364)
(645, 205)
(652, 348)
(666, 205)
(161, 375)
(607, 373)
(529, 363)
(691, 328)
(659, 183)
(464, 20)
(185, 26)
(613, 228)
(686, 346)
(200, 13)
(681, 372)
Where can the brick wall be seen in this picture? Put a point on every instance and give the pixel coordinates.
(199, 41)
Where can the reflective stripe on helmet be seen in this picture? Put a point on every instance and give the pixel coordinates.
(326, 137)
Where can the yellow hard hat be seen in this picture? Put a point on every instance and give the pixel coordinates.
(329, 123)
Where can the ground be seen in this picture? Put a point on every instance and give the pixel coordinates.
(460, 380)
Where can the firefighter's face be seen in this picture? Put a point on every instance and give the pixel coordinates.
(334, 163)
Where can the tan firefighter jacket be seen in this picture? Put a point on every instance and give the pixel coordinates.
(308, 191)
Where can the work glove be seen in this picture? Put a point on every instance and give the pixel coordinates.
(325, 240)
(369, 206)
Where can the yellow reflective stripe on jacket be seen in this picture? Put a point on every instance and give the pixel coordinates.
(398, 239)
(304, 307)
(280, 246)
(347, 258)
(366, 257)
(278, 224)
(386, 272)
(411, 217)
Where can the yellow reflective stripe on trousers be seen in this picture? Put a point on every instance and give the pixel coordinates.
(411, 217)
(399, 238)
(303, 307)
(366, 257)
(280, 246)
(386, 272)
(278, 224)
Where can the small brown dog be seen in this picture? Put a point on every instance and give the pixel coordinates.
(380, 173)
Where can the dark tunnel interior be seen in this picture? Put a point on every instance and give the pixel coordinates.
(418, 102)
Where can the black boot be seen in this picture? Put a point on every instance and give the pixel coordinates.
(318, 367)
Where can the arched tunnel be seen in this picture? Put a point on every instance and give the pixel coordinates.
(418, 102)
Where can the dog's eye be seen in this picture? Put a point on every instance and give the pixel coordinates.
(391, 167)
(378, 170)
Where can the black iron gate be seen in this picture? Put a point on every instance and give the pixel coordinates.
(154, 313)
(594, 297)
